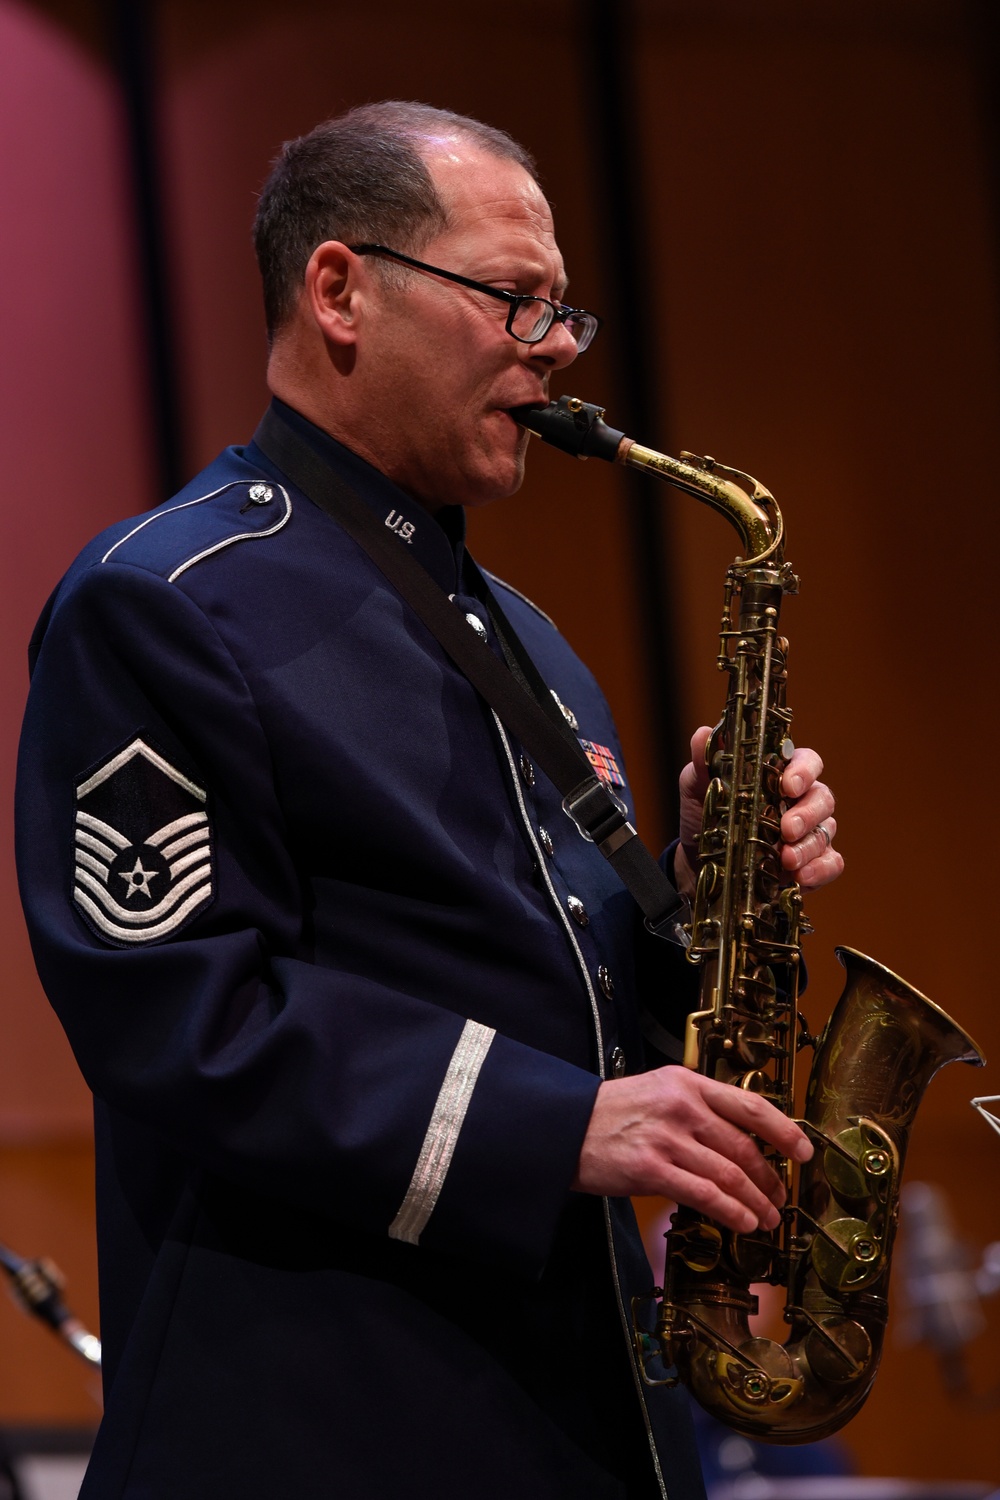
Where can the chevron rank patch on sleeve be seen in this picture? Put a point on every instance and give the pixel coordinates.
(143, 848)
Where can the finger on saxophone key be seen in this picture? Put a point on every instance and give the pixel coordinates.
(690, 1138)
(808, 825)
(804, 767)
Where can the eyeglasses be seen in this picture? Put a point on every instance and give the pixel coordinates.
(529, 318)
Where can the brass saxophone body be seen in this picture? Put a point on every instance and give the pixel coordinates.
(879, 1050)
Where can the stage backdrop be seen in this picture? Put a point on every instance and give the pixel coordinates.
(822, 310)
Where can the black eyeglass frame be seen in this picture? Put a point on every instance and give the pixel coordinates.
(559, 313)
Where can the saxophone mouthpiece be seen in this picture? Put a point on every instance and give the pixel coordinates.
(572, 425)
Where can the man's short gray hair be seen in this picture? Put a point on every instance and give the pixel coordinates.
(359, 178)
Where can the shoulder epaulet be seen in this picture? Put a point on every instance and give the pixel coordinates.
(174, 537)
(501, 583)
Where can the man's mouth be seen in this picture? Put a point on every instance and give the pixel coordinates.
(519, 413)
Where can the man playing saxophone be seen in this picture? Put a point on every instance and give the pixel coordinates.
(357, 1004)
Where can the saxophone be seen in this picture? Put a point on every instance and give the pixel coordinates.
(878, 1052)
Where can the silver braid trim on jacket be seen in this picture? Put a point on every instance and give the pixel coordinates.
(442, 1133)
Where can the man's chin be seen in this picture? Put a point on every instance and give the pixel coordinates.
(495, 486)
(498, 470)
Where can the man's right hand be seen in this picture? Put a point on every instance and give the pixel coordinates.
(677, 1133)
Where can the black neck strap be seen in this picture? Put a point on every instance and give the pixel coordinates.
(513, 688)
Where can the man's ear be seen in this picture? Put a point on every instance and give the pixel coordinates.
(333, 291)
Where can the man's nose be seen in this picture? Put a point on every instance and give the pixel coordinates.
(557, 349)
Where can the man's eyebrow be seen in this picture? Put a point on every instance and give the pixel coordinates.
(558, 286)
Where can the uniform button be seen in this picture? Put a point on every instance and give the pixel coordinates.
(545, 839)
(618, 1063)
(578, 911)
(606, 982)
(476, 624)
(257, 494)
(527, 770)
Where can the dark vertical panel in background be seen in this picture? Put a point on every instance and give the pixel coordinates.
(131, 31)
(983, 29)
(608, 32)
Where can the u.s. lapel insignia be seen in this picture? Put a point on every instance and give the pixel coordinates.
(603, 761)
(143, 848)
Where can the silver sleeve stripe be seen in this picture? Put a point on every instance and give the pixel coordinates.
(139, 934)
(111, 835)
(442, 1135)
(179, 825)
(139, 918)
(196, 857)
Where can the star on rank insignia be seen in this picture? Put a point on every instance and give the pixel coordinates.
(603, 761)
(143, 848)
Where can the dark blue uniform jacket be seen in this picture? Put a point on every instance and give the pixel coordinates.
(343, 979)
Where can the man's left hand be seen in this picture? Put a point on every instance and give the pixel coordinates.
(808, 825)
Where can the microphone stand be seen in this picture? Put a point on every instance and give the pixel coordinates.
(943, 1287)
(37, 1285)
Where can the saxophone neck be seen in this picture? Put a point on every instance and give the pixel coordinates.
(746, 504)
(578, 427)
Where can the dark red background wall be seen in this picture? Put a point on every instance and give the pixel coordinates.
(816, 182)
